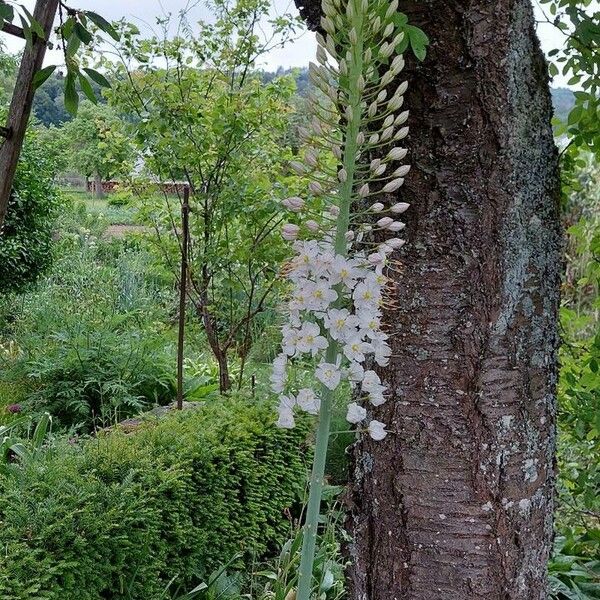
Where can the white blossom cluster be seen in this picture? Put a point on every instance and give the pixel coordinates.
(353, 163)
(321, 281)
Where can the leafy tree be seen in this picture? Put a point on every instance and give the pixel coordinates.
(26, 235)
(97, 145)
(209, 120)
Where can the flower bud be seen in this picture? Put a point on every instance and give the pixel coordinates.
(343, 67)
(294, 203)
(402, 89)
(376, 258)
(397, 64)
(372, 109)
(378, 207)
(312, 225)
(342, 175)
(389, 120)
(382, 96)
(392, 186)
(395, 103)
(321, 55)
(387, 134)
(399, 208)
(401, 118)
(375, 164)
(388, 30)
(349, 235)
(364, 191)
(401, 171)
(376, 25)
(401, 134)
(397, 153)
(395, 243)
(334, 210)
(328, 25)
(392, 8)
(397, 40)
(352, 36)
(297, 167)
(385, 222)
(360, 138)
(315, 188)
(387, 78)
(396, 226)
(368, 57)
(290, 232)
(380, 170)
(374, 139)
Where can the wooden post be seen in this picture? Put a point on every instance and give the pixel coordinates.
(185, 234)
(22, 100)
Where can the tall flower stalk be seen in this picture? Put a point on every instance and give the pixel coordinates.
(338, 274)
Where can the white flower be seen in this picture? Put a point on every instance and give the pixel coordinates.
(366, 296)
(344, 270)
(291, 337)
(377, 398)
(310, 339)
(308, 401)
(321, 296)
(290, 232)
(355, 349)
(356, 414)
(286, 412)
(329, 375)
(356, 372)
(370, 381)
(370, 324)
(340, 323)
(377, 430)
(383, 352)
(278, 375)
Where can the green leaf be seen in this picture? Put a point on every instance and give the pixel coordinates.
(418, 41)
(41, 76)
(103, 24)
(7, 12)
(87, 89)
(71, 95)
(98, 77)
(83, 34)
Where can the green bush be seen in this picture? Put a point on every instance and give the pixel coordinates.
(26, 236)
(120, 516)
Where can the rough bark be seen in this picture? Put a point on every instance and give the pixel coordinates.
(456, 504)
(98, 189)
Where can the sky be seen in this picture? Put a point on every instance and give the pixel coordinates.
(296, 54)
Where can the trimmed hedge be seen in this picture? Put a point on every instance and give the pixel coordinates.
(119, 516)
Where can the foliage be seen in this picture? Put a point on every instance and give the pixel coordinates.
(578, 58)
(92, 344)
(209, 120)
(26, 235)
(96, 142)
(120, 516)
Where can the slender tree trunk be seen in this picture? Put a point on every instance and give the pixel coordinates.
(22, 101)
(98, 189)
(456, 504)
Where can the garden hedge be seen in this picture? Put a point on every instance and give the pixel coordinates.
(121, 515)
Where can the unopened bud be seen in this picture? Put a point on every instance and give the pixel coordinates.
(392, 186)
(399, 208)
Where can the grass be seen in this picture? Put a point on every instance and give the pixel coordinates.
(100, 207)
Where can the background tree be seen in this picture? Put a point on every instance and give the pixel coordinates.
(208, 120)
(457, 503)
(98, 146)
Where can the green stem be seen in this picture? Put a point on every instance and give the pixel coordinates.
(309, 543)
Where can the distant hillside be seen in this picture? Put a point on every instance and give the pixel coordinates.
(563, 100)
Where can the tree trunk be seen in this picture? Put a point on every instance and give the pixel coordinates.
(98, 189)
(456, 504)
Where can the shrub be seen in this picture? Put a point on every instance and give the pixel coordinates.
(26, 236)
(118, 516)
